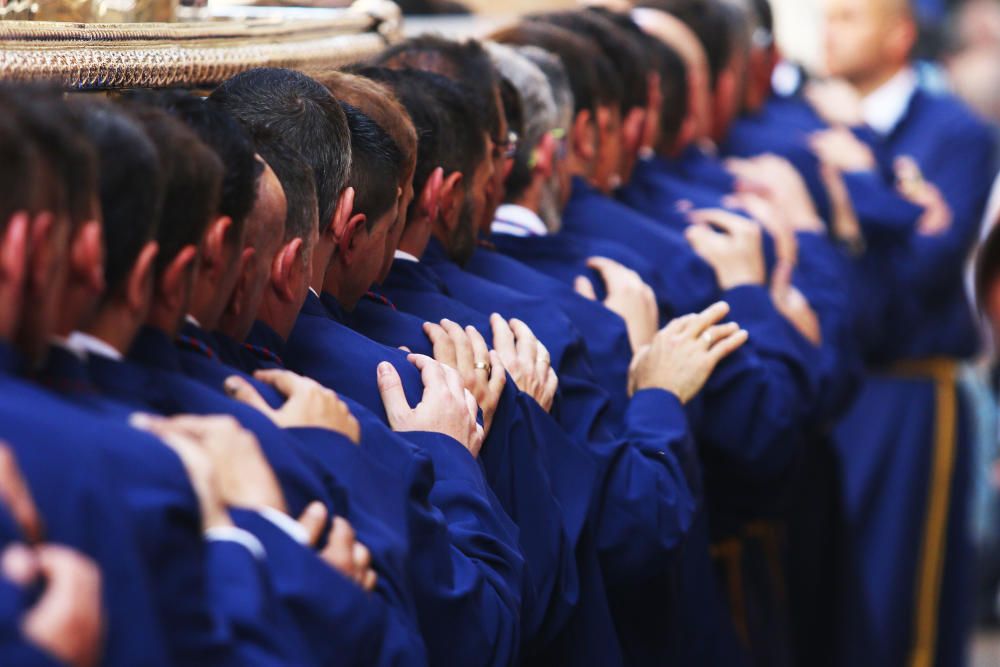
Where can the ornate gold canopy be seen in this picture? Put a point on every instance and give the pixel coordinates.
(193, 54)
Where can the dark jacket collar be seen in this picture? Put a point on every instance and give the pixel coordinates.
(415, 276)
(265, 343)
(11, 361)
(152, 347)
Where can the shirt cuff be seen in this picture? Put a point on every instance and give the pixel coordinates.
(240, 536)
(287, 524)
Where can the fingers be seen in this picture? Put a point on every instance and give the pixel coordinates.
(313, 520)
(726, 346)
(480, 350)
(19, 564)
(364, 574)
(609, 269)
(503, 337)
(67, 621)
(339, 551)
(549, 391)
(454, 383)
(431, 372)
(284, 381)
(14, 493)
(471, 405)
(527, 344)
(585, 288)
(369, 581)
(781, 279)
(444, 347)
(543, 362)
(464, 355)
(498, 374)
(390, 387)
(711, 315)
(713, 335)
(244, 392)
(725, 220)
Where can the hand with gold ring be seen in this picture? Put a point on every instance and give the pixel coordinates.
(526, 359)
(684, 353)
(467, 352)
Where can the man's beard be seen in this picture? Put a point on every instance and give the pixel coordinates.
(463, 239)
(550, 204)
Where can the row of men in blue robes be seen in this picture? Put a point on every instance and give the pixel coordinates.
(611, 434)
(179, 264)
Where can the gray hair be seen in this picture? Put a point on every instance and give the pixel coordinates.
(552, 67)
(538, 106)
(550, 204)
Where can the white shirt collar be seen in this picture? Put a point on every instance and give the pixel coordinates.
(518, 221)
(405, 256)
(191, 319)
(87, 344)
(314, 292)
(884, 108)
(64, 344)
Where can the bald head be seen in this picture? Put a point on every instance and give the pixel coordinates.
(868, 41)
(677, 35)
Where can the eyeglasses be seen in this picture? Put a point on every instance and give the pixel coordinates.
(506, 149)
(559, 135)
(762, 38)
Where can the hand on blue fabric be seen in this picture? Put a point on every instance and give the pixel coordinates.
(308, 403)
(465, 351)
(630, 298)
(16, 497)
(344, 553)
(67, 621)
(446, 406)
(684, 353)
(527, 360)
(735, 252)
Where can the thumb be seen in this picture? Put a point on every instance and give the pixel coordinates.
(585, 288)
(313, 520)
(244, 392)
(391, 389)
(781, 280)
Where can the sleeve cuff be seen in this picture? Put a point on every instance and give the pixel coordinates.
(287, 524)
(239, 536)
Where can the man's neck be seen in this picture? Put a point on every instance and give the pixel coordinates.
(278, 316)
(867, 85)
(415, 237)
(531, 199)
(114, 327)
(321, 260)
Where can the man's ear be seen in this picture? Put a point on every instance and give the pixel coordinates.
(87, 256)
(430, 197)
(213, 248)
(287, 266)
(545, 158)
(725, 94)
(248, 265)
(354, 226)
(583, 138)
(633, 128)
(40, 247)
(450, 197)
(175, 282)
(686, 135)
(341, 215)
(14, 251)
(139, 284)
(900, 39)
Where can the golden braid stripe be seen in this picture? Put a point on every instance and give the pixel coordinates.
(932, 553)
